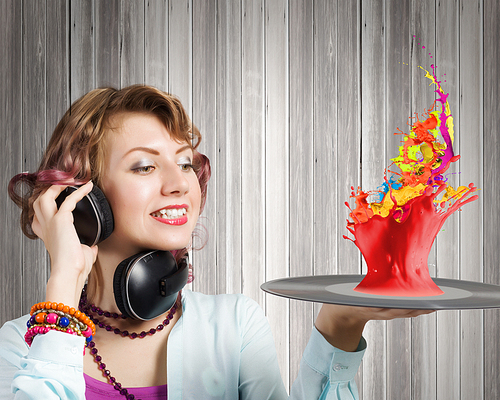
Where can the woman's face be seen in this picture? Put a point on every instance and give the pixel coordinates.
(150, 184)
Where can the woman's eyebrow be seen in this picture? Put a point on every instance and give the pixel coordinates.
(145, 149)
(183, 148)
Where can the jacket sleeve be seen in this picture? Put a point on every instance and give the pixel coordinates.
(327, 373)
(52, 368)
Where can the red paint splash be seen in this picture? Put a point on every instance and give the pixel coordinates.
(396, 234)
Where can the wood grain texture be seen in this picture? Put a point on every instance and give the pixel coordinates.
(11, 106)
(397, 114)
(423, 329)
(277, 172)
(107, 16)
(491, 192)
(326, 155)
(35, 269)
(203, 115)
(180, 37)
(57, 69)
(447, 242)
(156, 24)
(229, 142)
(348, 125)
(374, 136)
(252, 150)
(471, 170)
(81, 48)
(57, 76)
(131, 41)
(348, 128)
(301, 169)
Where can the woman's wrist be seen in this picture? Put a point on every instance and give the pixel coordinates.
(63, 290)
(340, 327)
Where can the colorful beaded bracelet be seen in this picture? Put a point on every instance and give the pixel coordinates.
(46, 316)
(42, 329)
(70, 312)
(58, 318)
(59, 323)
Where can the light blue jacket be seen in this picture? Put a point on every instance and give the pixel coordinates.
(220, 348)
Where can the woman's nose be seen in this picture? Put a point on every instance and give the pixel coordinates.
(175, 181)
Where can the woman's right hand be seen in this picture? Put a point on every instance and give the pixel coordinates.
(70, 260)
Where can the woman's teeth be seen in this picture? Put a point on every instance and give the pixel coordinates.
(170, 213)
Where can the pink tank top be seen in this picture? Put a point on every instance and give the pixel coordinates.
(97, 390)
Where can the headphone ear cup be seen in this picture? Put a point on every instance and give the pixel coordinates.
(103, 211)
(147, 284)
(119, 285)
(92, 216)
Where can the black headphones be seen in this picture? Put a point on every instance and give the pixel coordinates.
(145, 285)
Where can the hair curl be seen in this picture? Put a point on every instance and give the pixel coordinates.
(75, 153)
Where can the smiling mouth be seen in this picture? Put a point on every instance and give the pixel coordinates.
(170, 213)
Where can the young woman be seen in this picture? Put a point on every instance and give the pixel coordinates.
(139, 146)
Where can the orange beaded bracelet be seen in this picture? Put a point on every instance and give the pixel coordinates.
(47, 307)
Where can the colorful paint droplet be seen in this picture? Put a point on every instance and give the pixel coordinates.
(395, 234)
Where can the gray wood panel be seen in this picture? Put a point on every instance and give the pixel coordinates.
(375, 134)
(107, 16)
(132, 46)
(252, 149)
(398, 100)
(326, 154)
(491, 192)
(34, 136)
(447, 243)
(276, 172)
(301, 169)
(180, 58)
(57, 68)
(471, 170)
(229, 142)
(81, 48)
(203, 115)
(156, 24)
(423, 329)
(348, 129)
(11, 105)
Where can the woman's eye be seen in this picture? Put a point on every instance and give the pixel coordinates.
(144, 170)
(186, 167)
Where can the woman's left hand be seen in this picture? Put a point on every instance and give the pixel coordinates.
(342, 326)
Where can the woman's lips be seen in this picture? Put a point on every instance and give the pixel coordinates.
(172, 221)
(172, 215)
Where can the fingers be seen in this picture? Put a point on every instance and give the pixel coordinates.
(45, 206)
(389, 314)
(69, 203)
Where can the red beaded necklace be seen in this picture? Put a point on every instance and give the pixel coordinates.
(91, 310)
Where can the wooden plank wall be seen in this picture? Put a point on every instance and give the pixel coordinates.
(297, 101)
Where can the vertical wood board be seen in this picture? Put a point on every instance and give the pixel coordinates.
(276, 172)
(398, 99)
(132, 42)
(374, 136)
(34, 135)
(491, 191)
(156, 24)
(203, 115)
(300, 29)
(11, 106)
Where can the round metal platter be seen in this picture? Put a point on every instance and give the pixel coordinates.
(338, 289)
